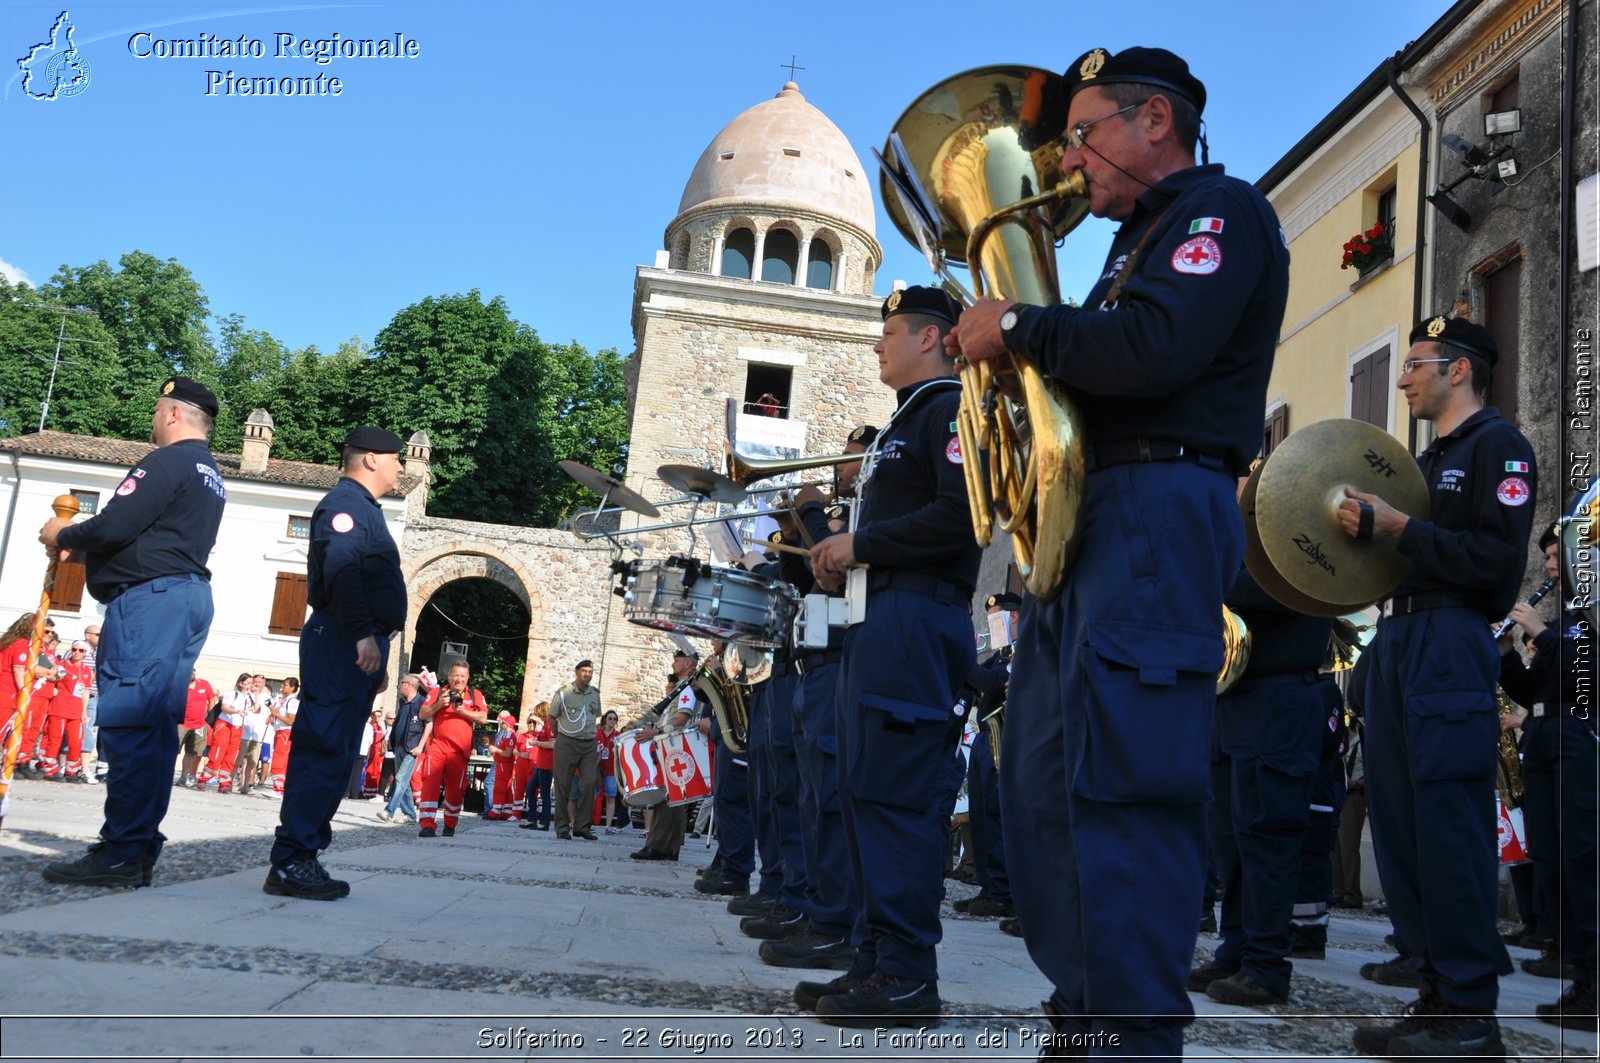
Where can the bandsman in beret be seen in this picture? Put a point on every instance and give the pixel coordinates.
(145, 554)
(1469, 557)
(1167, 360)
(357, 596)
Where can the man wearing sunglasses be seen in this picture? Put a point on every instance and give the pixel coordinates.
(1113, 687)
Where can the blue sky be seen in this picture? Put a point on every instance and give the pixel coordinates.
(537, 151)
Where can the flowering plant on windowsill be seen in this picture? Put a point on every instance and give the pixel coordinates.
(1367, 250)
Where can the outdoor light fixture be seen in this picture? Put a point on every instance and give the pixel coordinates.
(1500, 123)
(1471, 154)
(1454, 212)
(1505, 168)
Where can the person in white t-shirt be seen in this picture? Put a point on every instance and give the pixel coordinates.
(223, 751)
(252, 731)
(282, 712)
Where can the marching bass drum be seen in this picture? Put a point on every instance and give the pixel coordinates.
(711, 601)
(686, 768)
(638, 775)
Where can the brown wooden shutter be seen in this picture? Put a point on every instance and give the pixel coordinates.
(1369, 389)
(1276, 430)
(67, 595)
(1502, 291)
(288, 605)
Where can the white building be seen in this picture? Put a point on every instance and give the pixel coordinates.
(258, 567)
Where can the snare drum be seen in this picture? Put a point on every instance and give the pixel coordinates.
(686, 771)
(638, 774)
(711, 601)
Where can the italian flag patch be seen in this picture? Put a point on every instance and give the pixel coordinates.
(1205, 225)
(1516, 466)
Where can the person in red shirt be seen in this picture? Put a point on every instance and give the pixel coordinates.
(14, 660)
(46, 674)
(64, 718)
(454, 708)
(192, 733)
(522, 769)
(504, 749)
(606, 739)
(543, 758)
(282, 712)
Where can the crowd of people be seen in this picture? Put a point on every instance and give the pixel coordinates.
(1114, 797)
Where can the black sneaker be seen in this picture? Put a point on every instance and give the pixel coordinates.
(717, 885)
(304, 879)
(1576, 1010)
(1399, 971)
(1415, 1017)
(648, 853)
(587, 835)
(781, 921)
(809, 950)
(965, 903)
(752, 904)
(806, 994)
(564, 835)
(1012, 927)
(1454, 1033)
(1200, 978)
(1241, 989)
(80, 779)
(448, 832)
(991, 908)
(1306, 945)
(94, 869)
(28, 771)
(1549, 965)
(883, 1000)
(427, 832)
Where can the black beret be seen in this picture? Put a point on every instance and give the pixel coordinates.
(1156, 67)
(1004, 600)
(686, 653)
(585, 663)
(182, 389)
(864, 434)
(1458, 332)
(377, 440)
(1551, 536)
(933, 302)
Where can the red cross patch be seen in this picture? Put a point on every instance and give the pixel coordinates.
(952, 450)
(1200, 255)
(1513, 491)
(127, 488)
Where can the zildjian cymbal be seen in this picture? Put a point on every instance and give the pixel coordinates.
(604, 485)
(694, 480)
(1296, 548)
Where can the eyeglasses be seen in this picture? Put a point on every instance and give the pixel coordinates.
(1075, 137)
(1410, 364)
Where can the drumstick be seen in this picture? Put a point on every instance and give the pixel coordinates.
(787, 549)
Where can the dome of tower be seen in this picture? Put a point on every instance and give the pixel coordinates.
(783, 150)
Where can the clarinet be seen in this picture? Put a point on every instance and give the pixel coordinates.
(1544, 588)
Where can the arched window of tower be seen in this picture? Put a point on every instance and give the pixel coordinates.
(819, 268)
(781, 256)
(738, 252)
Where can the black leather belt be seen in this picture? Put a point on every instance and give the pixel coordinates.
(1406, 604)
(1145, 450)
(920, 583)
(813, 661)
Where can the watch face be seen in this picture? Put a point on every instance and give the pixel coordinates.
(1008, 320)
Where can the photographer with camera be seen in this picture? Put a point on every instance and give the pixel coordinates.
(454, 709)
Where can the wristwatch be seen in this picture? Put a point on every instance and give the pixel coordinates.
(1008, 323)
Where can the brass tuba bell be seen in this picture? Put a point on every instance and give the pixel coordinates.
(984, 146)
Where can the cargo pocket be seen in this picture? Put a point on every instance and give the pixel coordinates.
(1453, 734)
(901, 747)
(128, 697)
(1148, 703)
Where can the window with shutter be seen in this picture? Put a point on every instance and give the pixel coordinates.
(1369, 388)
(1275, 430)
(288, 605)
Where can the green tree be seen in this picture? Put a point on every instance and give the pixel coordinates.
(249, 374)
(314, 402)
(156, 312)
(89, 383)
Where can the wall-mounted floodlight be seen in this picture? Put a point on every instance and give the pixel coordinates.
(1500, 123)
(1454, 212)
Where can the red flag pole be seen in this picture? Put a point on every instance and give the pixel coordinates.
(66, 508)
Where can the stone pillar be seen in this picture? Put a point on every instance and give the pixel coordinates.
(801, 263)
(761, 247)
(258, 431)
(419, 463)
(716, 256)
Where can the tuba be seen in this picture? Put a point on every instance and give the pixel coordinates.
(984, 145)
(730, 704)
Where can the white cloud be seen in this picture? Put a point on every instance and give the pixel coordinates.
(13, 274)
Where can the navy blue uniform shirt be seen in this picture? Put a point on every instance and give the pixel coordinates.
(914, 515)
(1186, 351)
(1481, 482)
(353, 567)
(161, 521)
(1282, 641)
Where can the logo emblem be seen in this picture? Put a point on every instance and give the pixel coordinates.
(1092, 64)
(952, 450)
(166, 389)
(1200, 255)
(343, 522)
(894, 302)
(1205, 225)
(1436, 328)
(54, 69)
(128, 486)
(1513, 491)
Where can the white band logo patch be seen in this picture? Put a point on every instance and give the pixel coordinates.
(343, 522)
(1200, 255)
(952, 450)
(128, 486)
(1513, 491)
